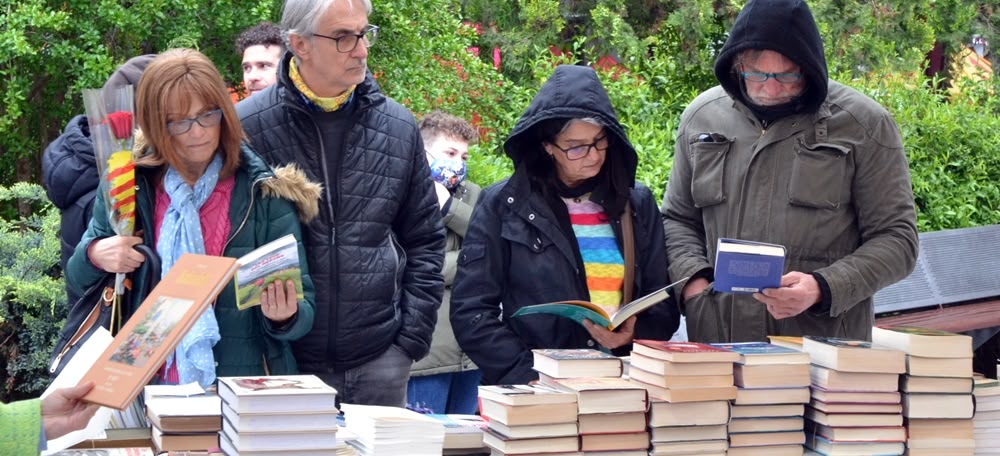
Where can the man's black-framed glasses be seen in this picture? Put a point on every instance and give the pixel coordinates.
(578, 152)
(206, 119)
(349, 42)
(784, 78)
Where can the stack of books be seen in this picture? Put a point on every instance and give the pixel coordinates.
(855, 406)
(986, 423)
(936, 388)
(388, 431)
(611, 410)
(690, 385)
(526, 419)
(279, 415)
(184, 423)
(772, 386)
(463, 434)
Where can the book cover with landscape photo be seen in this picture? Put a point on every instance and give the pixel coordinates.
(276, 260)
(154, 331)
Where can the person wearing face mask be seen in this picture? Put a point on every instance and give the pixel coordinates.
(779, 153)
(556, 230)
(447, 381)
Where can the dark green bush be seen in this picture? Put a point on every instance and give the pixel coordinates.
(32, 298)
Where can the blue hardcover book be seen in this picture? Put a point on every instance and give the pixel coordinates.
(755, 353)
(747, 266)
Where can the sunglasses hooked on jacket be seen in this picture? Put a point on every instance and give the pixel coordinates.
(709, 138)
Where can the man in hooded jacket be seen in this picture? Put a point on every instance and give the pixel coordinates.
(779, 153)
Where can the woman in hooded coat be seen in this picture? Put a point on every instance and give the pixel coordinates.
(553, 231)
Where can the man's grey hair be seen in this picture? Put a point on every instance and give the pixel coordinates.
(301, 17)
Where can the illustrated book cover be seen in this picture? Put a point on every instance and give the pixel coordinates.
(756, 353)
(747, 266)
(683, 352)
(926, 342)
(276, 260)
(278, 394)
(155, 329)
(850, 355)
(576, 362)
(580, 310)
(525, 395)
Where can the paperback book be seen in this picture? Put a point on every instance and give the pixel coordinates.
(576, 362)
(276, 260)
(584, 310)
(277, 394)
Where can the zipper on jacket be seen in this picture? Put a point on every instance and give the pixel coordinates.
(246, 215)
(331, 345)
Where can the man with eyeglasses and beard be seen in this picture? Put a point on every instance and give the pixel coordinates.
(779, 153)
(376, 249)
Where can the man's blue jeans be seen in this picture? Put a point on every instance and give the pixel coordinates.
(452, 392)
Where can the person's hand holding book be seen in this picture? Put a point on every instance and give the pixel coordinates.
(622, 335)
(279, 302)
(798, 292)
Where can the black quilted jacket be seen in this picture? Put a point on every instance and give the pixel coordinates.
(376, 249)
(70, 177)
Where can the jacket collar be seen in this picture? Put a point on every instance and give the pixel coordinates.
(366, 94)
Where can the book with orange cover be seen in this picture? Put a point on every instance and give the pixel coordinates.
(154, 331)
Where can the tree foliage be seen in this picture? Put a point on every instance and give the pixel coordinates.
(32, 300)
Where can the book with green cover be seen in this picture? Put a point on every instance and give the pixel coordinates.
(276, 260)
(580, 310)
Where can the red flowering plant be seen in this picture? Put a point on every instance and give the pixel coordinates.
(110, 117)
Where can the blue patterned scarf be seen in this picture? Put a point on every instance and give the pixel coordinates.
(180, 233)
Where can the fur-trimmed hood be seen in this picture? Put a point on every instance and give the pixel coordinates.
(292, 184)
(286, 182)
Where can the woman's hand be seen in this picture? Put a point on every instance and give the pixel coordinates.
(622, 335)
(116, 253)
(278, 302)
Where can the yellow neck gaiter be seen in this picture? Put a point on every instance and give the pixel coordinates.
(326, 104)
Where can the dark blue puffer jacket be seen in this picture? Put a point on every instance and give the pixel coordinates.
(70, 176)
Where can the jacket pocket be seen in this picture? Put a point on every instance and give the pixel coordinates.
(708, 164)
(399, 257)
(707, 317)
(818, 175)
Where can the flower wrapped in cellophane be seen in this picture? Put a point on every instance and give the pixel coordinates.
(110, 117)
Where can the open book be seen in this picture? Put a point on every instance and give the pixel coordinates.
(580, 310)
(276, 260)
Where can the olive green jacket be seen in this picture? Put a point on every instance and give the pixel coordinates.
(832, 186)
(445, 354)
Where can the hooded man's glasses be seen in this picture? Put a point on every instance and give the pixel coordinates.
(784, 78)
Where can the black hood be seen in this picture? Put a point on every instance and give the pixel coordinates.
(783, 26)
(572, 92)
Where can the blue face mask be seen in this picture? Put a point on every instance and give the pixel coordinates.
(448, 172)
